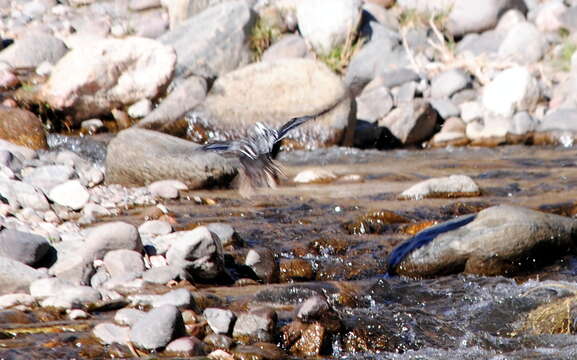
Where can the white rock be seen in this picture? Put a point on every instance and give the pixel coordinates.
(71, 193)
(512, 90)
(10, 300)
(314, 175)
(140, 109)
(523, 44)
(444, 185)
(326, 24)
(167, 189)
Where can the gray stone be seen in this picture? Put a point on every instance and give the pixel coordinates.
(474, 17)
(120, 72)
(395, 77)
(198, 254)
(140, 109)
(219, 43)
(273, 93)
(326, 24)
(33, 50)
(168, 115)
(71, 194)
(512, 90)
(155, 156)
(16, 276)
(412, 123)
(257, 325)
(446, 108)
(179, 298)
(523, 44)
(219, 320)
(288, 46)
(161, 274)
(73, 268)
(109, 333)
(10, 300)
(72, 297)
(20, 194)
(500, 240)
(154, 228)
(48, 176)
(560, 120)
(27, 248)
(122, 261)
(404, 94)
(128, 316)
(481, 44)
(157, 328)
(454, 185)
(374, 103)
(46, 287)
(263, 263)
(447, 83)
(111, 236)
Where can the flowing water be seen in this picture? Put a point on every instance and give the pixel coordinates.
(344, 231)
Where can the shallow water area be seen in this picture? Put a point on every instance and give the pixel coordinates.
(458, 316)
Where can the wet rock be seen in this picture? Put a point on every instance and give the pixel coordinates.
(296, 270)
(120, 72)
(157, 328)
(26, 52)
(161, 274)
(449, 82)
(27, 248)
(326, 24)
(257, 325)
(187, 346)
(179, 298)
(128, 316)
(122, 261)
(452, 133)
(374, 103)
(311, 340)
(500, 240)
(523, 44)
(217, 341)
(312, 308)
(109, 333)
(465, 17)
(264, 263)
(155, 156)
(10, 300)
(71, 194)
(220, 40)
(23, 195)
(48, 176)
(16, 276)
(219, 320)
(167, 189)
(272, 93)
(412, 123)
(315, 176)
(512, 90)
(288, 46)
(168, 116)
(452, 186)
(72, 297)
(111, 236)
(21, 127)
(373, 222)
(198, 254)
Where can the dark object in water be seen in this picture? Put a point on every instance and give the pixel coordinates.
(422, 239)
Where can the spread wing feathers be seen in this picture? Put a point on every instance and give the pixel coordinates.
(291, 124)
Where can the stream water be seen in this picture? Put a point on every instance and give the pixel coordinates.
(341, 230)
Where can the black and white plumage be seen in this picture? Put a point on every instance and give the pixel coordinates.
(255, 153)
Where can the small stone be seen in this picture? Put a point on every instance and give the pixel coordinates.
(312, 308)
(449, 82)
(157, 328)
(27, 248)
(452, 186)
(109, 333)
(512, 90)
(140, 109)
(154, 228)
(179, 298)
(77, 314)
(166, 189)
(10, 300)
(263, 263)
(258, 325)
(161, 274)
(128, 316)
(187, 346)
(111, 236)
(71, 193)
(219, 320)
(122, 261)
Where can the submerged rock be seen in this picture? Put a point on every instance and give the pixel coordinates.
(501, 240)
(139, 157)
(157, 328)
(451, 186)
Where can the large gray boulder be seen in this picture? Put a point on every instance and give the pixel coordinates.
(138, 157)
(273, 93)
(500, 240)
(33, 50)
(214, 41)
(95, 77)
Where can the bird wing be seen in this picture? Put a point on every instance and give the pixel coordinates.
(291, 124)
(217, 146)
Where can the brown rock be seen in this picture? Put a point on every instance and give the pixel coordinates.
(311, 341)
(296, 270)
(22, 127)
